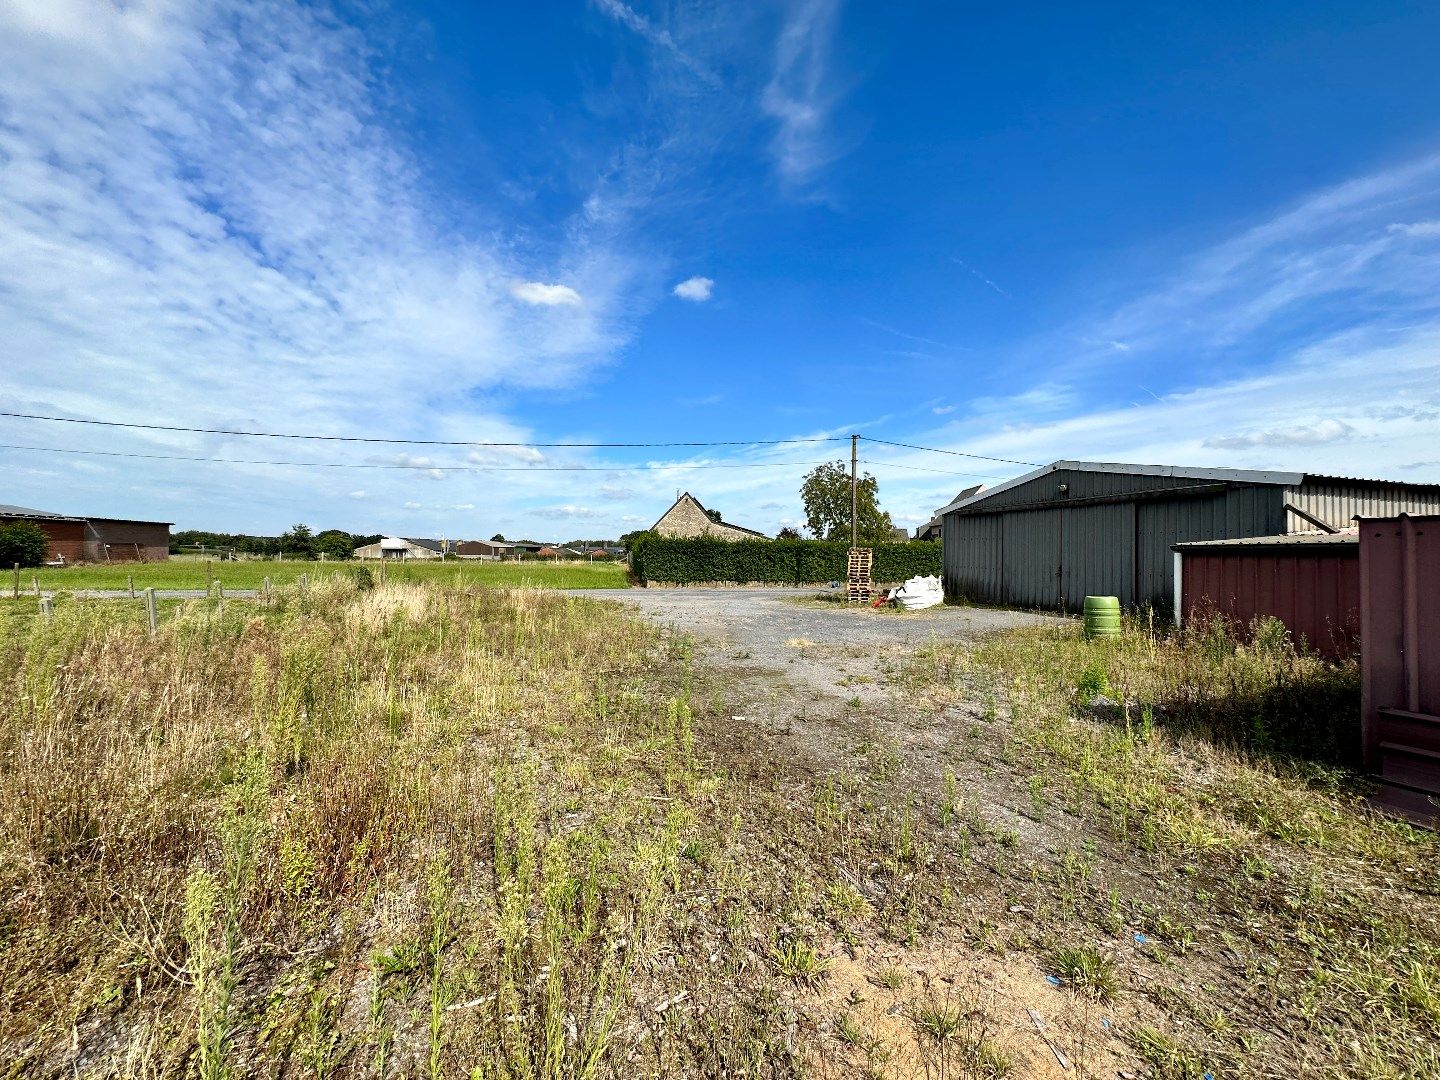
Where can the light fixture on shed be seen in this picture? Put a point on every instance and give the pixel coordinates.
(1064, 488)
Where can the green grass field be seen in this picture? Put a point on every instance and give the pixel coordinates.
(192, 574)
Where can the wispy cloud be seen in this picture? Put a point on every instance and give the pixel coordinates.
(662, 39)
(977, 274)
(568, 512)
(800, 96)
(697, 289)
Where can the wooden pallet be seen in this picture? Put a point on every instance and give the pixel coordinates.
(857, 575)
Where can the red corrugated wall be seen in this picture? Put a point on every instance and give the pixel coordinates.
(1315, 594)
(1400, 660)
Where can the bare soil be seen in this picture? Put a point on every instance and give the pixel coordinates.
(810, 691)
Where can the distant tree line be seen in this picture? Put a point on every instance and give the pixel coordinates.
(297, 543)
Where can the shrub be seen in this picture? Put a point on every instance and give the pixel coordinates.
(780, 562)
(23, 543)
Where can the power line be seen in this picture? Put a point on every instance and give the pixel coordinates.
(418, 442)
(941, 472)
(955, 453)
(414, 467)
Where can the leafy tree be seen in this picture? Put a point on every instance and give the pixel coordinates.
(335, 544)
(788, 533)
(298, 543)
(23, 543)
(498, 538)
(715, 516)
(628, 540)
(826, 495)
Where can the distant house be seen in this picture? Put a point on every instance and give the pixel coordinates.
(95, 539)
(686, 518)
(405, 549)
(931, 529)
(899, 535)
(483, 549)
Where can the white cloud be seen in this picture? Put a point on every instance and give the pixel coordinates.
(697, 289)
(1322, 431)
(542, 295)
(207, 195)
(799, 96)
(359, 494)
(412, 506)
(941, 410)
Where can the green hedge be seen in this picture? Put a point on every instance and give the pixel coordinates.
(781, 562)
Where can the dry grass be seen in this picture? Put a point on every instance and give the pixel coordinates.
(1287, 929)
(352, 832)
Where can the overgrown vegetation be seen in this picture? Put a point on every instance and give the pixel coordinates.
(1287, 928)
(782, 562)
(22, 544)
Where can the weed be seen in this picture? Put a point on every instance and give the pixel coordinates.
(797, 959)
(1087, 971)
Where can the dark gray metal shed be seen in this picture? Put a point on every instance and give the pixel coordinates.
(1076, 528)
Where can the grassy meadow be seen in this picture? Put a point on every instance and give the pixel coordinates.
(191, 573)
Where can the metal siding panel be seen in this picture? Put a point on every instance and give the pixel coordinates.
(1031, 558)
(971, 557)
(1099, 550)
(1338, 503)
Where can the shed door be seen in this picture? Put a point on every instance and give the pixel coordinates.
(1098, 553)
(1031, 558)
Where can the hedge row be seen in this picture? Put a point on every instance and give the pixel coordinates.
(781, 562)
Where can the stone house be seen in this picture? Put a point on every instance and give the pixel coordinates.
(687, 518)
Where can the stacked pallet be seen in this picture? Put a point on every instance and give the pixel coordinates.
(857, 575)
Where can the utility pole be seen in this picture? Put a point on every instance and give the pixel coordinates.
(854, 493)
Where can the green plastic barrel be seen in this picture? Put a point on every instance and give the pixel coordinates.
(1102, 616)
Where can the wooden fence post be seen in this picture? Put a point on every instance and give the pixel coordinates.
(35, 584)
(220, 596)
(265, 589)
(47, 608)
(17, 581)
(150, 614)
(130, 581)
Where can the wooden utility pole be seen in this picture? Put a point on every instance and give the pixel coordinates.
(854, 491)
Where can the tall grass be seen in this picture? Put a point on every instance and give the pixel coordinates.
(412, 827)
(1209, 765)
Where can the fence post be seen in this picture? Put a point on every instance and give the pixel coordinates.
(35, 584)
(265, 589)
(47, 608)
(130, 581)
(220, 595)
(304, 581)
(150, 611)
(17, 581)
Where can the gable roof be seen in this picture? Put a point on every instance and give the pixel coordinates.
(728, 524)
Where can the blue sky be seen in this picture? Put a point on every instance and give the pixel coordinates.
(1205, 235)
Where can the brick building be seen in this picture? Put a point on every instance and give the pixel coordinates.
(687, 518)
(95, 539)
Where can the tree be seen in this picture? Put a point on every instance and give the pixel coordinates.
(789, 532)
(498, 538)
(628, 540)
(335, 544)
(826, 495)
(298, 543)
(23, 543)
(715, 516)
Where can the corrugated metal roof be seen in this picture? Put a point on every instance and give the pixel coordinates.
(26, 512)
(1240, 476)
(1343, 538)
